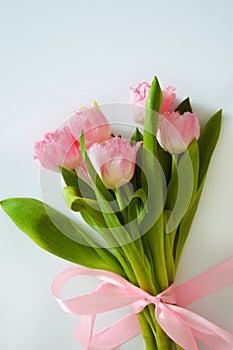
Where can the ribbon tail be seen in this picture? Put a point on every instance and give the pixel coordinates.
(205, 330)
(205, 283)
(110, 337)
(174, 326)
(85, 329)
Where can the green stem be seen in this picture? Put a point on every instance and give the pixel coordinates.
(135, 256)
(169, 257)
(155, 238)
(147, 333)
(162, 340)
(124, 196)
(174, 164)
(142, 274)
(126, 266)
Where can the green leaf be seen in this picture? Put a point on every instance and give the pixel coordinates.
(151, 168)
(173, 186)
(207, 143)
(82, 145)
(152, 178)
(88, 208)
(153, 240)
(136, 179)
(155, 96)
(165, 160)
(153, 104)
(137, 136)
(184, 106)
(134, 205)
(57, 234)
(154, 185)
(185, 226)
(183, 186)
(72, 179)
(77, 203)
(140, 193)
(151, 224)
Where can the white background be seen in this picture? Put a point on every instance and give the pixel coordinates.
(56, 56)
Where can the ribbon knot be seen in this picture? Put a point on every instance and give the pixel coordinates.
(152, 299)
(180, 324)
(139, 305)
(167, 297)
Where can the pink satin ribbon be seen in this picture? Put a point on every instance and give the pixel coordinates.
(181, 325)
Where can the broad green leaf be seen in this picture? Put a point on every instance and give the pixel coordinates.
(152, 174)
(185, 226)
(70, 177)
(155, 96)
(153, 104)
(153, 182)
(183, 186)
(57, 234)
(207, 143)
(153, 240)
(133, 226)
(154, 185)
(184, 106)
(76, 203)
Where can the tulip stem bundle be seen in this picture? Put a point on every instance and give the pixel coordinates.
(139, 195)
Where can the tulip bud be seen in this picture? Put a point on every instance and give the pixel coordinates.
(176, 131)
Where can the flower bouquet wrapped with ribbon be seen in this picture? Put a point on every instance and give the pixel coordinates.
(139, 196)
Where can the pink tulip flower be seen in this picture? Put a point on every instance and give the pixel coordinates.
(169, 97)
(58, 148)
(138, 97)
(114, 161)
(139, 94)
(93, 122)
(177, 131)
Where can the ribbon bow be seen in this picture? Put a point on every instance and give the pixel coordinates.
(180, 324)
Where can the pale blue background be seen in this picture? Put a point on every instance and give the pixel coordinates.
(56, 56)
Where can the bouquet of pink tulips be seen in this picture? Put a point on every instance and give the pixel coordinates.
(140, 196)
